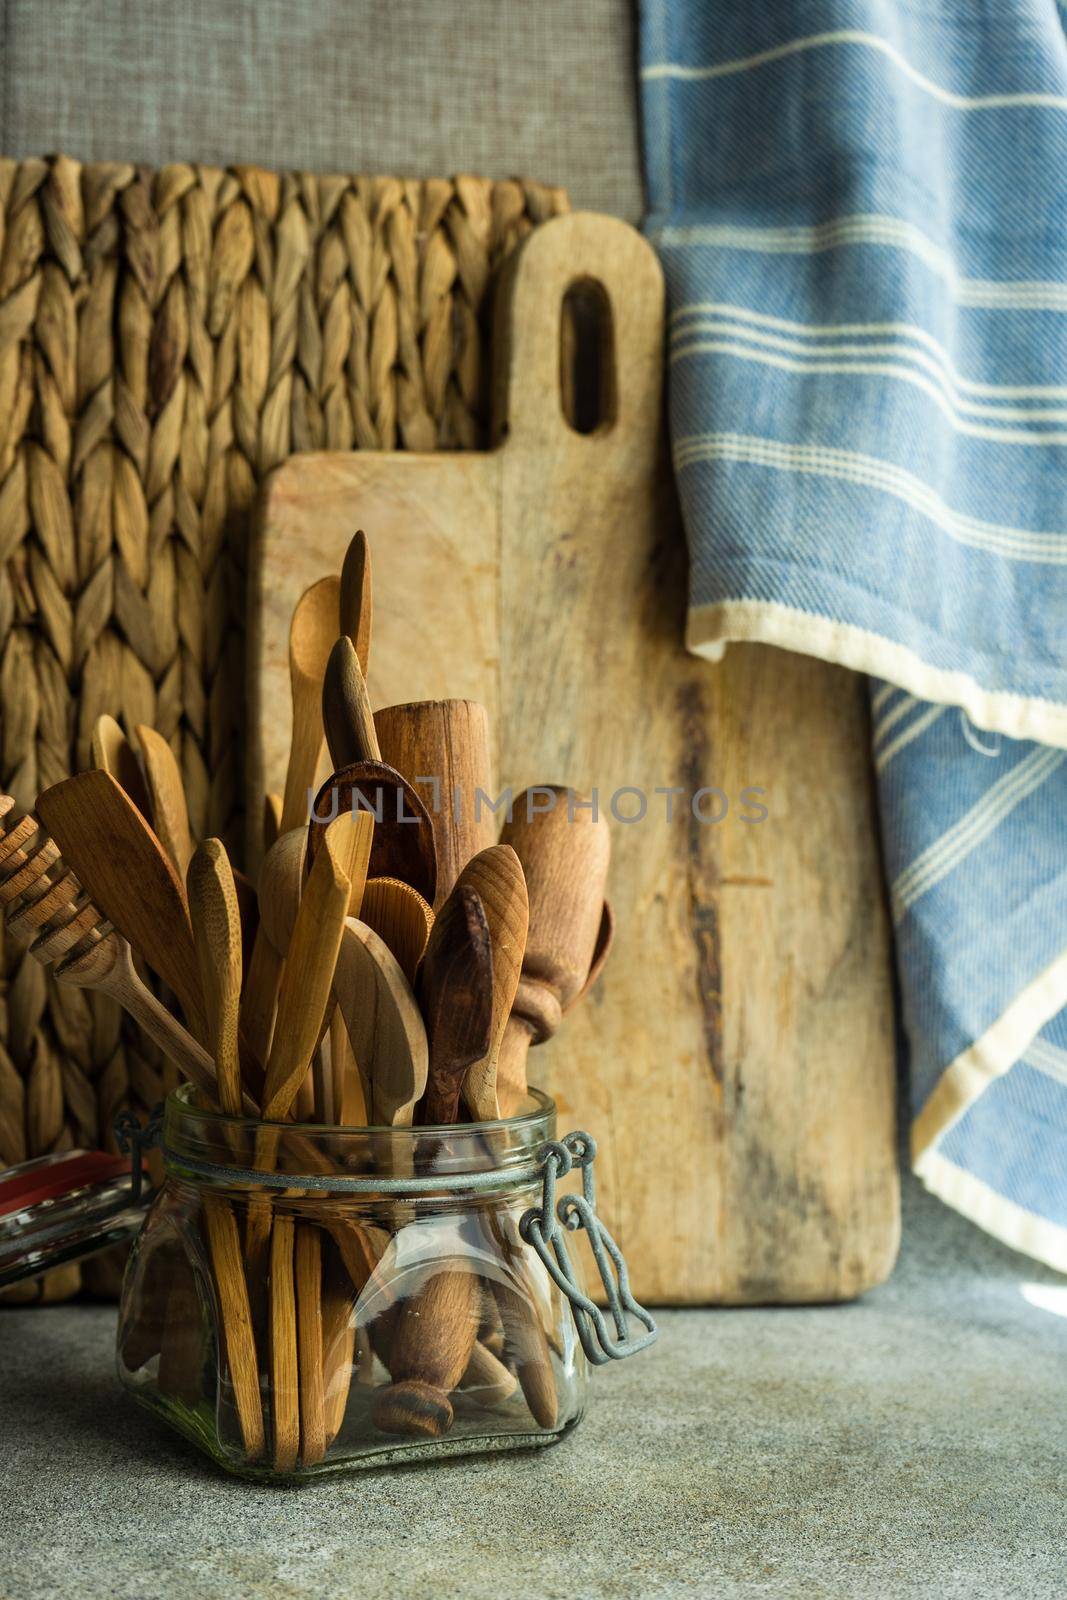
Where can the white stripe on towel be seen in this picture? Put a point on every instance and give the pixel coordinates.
(850, 466)
(871, 229)
(700, 310)
(687, 340)
(1047, 1058)
(884, 756)
(853, 36)
(985, 816)
(878, 369)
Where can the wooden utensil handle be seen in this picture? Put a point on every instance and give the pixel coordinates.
(177, 1044)
(433, 1337)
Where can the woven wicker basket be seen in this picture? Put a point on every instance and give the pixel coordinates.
(166, 338)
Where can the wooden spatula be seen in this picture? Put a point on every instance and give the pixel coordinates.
(403, 834)
(306, 983)
(311, 635)
(238, 1338)
(497, 877)
(443, 746)
(455, 987)
(127, 873)
(346, 711)
(170, 814)
(399, 915)
(216, 920)
(384, 1025)
(111, 751)
(564, 852)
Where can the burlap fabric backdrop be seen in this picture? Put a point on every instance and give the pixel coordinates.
(166, 338)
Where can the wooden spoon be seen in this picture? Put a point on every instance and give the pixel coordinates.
(497, 877)
(384, 1025)
(216, 920)
(356, 600)
(311, 636)
(125, 870)
(399, 915)
(111, 751)
(433, 1333)
(170, 814)
(444, 744)
(456, 990)
(403, 835)
(564, 852)
(346, 710)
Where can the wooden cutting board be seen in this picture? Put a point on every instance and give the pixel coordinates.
(735, 1062)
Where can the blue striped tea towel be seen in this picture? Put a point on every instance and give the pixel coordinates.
(862, 210)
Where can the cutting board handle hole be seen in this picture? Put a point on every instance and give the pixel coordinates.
(587, 380)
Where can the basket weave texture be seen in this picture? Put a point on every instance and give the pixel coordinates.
(167, 336)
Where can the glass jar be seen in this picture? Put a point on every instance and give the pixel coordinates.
(303, 1299)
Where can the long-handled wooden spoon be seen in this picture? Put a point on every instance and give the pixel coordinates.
(170, 814)
(311, 635)
(497, 877)
(356, 599)
(384, 1025)
(455, 987)
(432, 1334)
(111, 751)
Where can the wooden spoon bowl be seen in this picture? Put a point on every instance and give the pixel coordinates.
(403, 839)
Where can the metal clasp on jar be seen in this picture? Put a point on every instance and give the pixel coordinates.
(542, 1228)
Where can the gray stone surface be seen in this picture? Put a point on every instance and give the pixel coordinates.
(912, 1445)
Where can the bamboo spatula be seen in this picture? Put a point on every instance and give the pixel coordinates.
(121, 863)
(306, 983)
(216, 920)
(46, 903)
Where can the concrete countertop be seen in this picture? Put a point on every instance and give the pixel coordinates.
(913, 1444)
